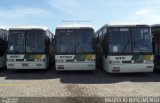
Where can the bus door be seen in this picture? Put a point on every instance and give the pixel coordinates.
(157, 50)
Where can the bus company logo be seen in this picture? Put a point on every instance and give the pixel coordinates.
(66, 57)
(120, 58)
(14, 56)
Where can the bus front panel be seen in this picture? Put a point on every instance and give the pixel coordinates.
(75, 62)
(37, 61)
(128, 64)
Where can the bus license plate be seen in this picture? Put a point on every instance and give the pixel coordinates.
(24, 64)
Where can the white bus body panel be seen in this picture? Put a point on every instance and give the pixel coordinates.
(31, 65)
(76, 66)
(146, 66)
(40, 62)
(69, 62)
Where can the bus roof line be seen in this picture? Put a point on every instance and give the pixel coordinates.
(74, 26)
(29, 28)
(126, 25)
(155, 25)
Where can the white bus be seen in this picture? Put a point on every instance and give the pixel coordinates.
(3, 47)
(126, 48)
(74, 48)
(29, 48)
(156, 45)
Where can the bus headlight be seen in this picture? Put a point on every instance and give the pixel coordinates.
(39, 64)
(39, 60)
(58, 61)
(114, 62)
(10, 64)
(10, 60)
(148, 61)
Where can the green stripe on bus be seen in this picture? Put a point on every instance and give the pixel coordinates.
(134, 57)
(29, 57)
(138, 57)
(80, 57)
(141, 58)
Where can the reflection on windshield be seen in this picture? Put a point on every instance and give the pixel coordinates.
(65, 41)
(26, 41)
(35, 42)
(74, 40)
(141, 40)
(16, 42)
(84, 41)
(119, 40)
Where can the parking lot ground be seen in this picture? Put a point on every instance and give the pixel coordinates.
(49, 83)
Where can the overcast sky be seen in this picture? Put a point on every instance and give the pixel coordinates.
(52, 13)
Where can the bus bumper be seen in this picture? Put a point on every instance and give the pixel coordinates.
(75, 66)
(129, 68)
(26, 65)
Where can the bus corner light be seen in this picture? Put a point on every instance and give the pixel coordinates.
(10, 64)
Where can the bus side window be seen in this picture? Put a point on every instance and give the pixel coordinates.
(47, 45)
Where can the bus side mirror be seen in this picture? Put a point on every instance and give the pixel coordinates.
(46, 43)
(97, 41)
(105, 56)
(106, 52)
(53, 40)
(6, 45)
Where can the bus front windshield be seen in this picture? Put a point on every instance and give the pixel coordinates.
(26, 41)
(16, 41)
(35, 41)
(141, 38)
(119, 40)
(84, 40)
(65, 41)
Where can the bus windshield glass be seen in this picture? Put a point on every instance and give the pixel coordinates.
(16, 41)
(35, 41)
(26, 41)
(119, 40)
(65, 41)
(141, 38)
(84, 40)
